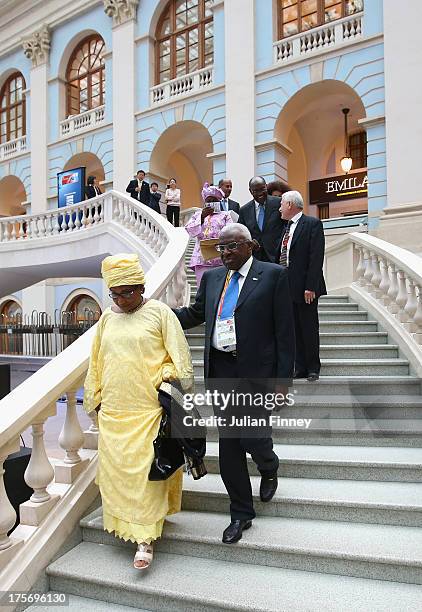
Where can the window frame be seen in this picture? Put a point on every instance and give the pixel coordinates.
(170, 13)
(88, 74)
(320, 11)
(5, 91)
(361, 147)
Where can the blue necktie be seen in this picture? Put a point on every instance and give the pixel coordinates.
(230, 297)
(261, 214)
(224, 204)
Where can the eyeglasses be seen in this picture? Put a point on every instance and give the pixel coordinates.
(124, 294)
(231, 246)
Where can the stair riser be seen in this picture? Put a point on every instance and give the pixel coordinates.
(160, 602)
(342, 316)
(337, 340)
(327, 307)
(333, 298)
(269, 557)
(354, 327)
(359, 352)
(347, 370)
(307, 470)
(304, 509)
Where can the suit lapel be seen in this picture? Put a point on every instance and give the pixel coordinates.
(252, 216)
(298, 229)
(251, 282)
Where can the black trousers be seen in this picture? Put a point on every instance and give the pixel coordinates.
(307, 337)
(173, 214)
(232, 450)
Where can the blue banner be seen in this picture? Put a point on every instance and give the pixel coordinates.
(71, 187)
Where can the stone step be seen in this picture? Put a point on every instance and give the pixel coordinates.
(84, 604)
(329, 351)
(338, 462)
(347, 326)
(334, 298)
(382, 552)
(350, 367)
(351, 387)
(385, 503)
(342, 315)
(344, 306)
(350, 337)
(188, 584)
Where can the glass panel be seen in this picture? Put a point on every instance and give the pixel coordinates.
(165, 28)
(193, 52)
(180, 57)
(193, 36)
(12, 97)
(164, 47)
(181, 6)
(209, 59)
(353, 6)
(310, 21)
(285, 3)
(164, 76)
(289, 14)
(192, 15)
(164, 62)
(333, 12)
(181, 21)
(12, 113)
(180, 70)
(12, 125)
(194, 65)
(209, 46)
(3, 101)
(209, 30)
(208, 8)
(308, 6)
(181, 41)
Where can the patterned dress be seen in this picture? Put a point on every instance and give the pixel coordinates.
(211, 228)
(131, 355)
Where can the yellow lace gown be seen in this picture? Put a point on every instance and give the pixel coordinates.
(131, 355)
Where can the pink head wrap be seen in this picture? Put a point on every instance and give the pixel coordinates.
(210, 190)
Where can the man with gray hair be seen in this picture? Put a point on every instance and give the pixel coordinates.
(301, 251)
(249, 342)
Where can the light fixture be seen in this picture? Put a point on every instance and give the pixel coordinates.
(346, 161)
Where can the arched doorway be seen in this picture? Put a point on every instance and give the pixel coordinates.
(310, 129)
(181, 152)
(12, 194)
(85, 309)
(10, 320)
(92, 163)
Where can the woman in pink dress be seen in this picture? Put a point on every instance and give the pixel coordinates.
(204, 224)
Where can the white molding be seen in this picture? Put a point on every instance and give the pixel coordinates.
(221, 155)
(79, 135)
(272, 144)
(368, 122)
(9, 298)
(177, 103)
(81, 291)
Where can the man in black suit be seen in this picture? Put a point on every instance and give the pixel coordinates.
(301, 250)
(262, 218)
(139, 188)
(227, 203)
(253, 297)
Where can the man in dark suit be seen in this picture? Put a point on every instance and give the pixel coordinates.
(253, 298)
(262, 218)
(139, 188)
(227, 203)
(301, 250)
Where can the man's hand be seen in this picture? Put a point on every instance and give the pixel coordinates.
(309, 296)
(137, 189)
(280, 390)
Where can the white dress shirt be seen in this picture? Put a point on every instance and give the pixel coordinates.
(293, 226)
(243, 271)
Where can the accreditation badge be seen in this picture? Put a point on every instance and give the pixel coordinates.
(226, 333)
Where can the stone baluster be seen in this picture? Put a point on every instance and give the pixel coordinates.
(376, 276)
(56, 226)
(97, 217)
(417, 317)
(38, 475)
(91, 434)
(394, 288)
(13, 232)
(368, 270)
(21, 232)
(401, 298)
(29, 228)
(411, 306)
(42, 226)
(71, 223)
(385, 282)
(71, 440)
(89, 218)
(138, 228)
(78, 222)
(121, 212)
(360, 268)
(64, 222)
(7, 512)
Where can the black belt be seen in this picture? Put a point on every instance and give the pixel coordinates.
(232, 353)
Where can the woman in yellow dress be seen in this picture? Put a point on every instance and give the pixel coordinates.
(138, 345)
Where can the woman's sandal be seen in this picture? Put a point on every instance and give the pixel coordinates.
(144, 553)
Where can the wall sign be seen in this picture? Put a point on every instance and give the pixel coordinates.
(71, 187)
(336, 188)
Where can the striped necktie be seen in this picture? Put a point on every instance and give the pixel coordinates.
(284, 243)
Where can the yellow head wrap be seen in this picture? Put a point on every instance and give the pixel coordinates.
(122, 269)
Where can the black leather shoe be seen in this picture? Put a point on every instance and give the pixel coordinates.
(268, 487)
(313, 376)
(233, 533)
(300, 375)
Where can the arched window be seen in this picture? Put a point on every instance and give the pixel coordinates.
(357, 149)
(12, 108)
(10, 311)
(184, 39)
(296, 16)
(85, 309)
(85, 76)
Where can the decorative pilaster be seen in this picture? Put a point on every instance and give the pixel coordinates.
(37, 47)
(121, 11)
(271, 160)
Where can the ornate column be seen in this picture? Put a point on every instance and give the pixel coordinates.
(123, 13)
(36, 48)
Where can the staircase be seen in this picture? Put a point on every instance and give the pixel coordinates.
(344, 530)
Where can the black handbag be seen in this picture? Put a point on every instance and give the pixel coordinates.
(168, 454)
